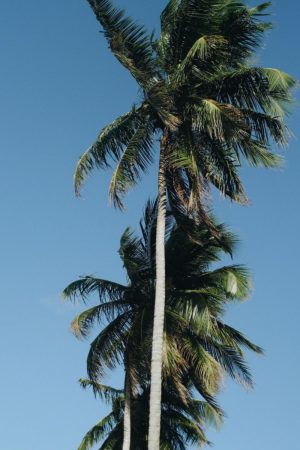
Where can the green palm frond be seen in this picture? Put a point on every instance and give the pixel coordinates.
(265, 126)
(205, 367)
(107, 350)
(114, 439)
(162, 101)
(96, 433)
(221, 169)
(136, 158)
(233, 281)
(204, 54)
(242, 28)
(259, 9)
(207, 412)
(199, 89)
(231, 360)
(257, 154)
(104, 392)
(131, 253)
(129, 42)
(235, 338)
(196, 299)
(83, 323)
(148, 227)
(184, 22)
(248, 87)
(82, 288)
(109, 145)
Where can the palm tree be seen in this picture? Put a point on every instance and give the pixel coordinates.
(182, 422)
(208, 105)
(199, 348)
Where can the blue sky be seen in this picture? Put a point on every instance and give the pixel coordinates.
(59, 86)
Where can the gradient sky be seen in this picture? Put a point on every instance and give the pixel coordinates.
(59, 86)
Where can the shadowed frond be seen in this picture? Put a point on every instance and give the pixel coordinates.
(83, 323)
(96, 433)
(107, 393)
(136, 158)
(109, 145)
(129, 42)
(234, 337)
(82, 288)
(107, 350)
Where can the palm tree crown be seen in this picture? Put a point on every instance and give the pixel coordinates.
(209, 106)
(200, 91)
(199, 348)
(182, 421)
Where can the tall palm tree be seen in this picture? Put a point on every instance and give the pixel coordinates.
(208, 105)
(182, 421)
(199, 348)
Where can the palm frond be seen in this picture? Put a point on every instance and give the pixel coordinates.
(259, 9)
(163, 103)
(204, 53)
(109, 145)
(230, 360)
(131, 253)
(233, 280)
(82, 288)
(96, 433)
(114, 439)
(234, 336)
(104, 392)
(107, 350)
(136, 158)
(83, 323)
(129, 42)
(264, 127)
(257, 154)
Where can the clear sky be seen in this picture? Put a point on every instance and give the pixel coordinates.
(59, 85)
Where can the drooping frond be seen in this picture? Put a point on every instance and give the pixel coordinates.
(109, 145)
(131, 253)
(247, 87)
(107, 350)
(129, 42)
(161, 99)
(96, 433)
(114, 439)
(259, 10)
(234, 338)
(231, 361)
(83, 323)
(136, 158)
(82, 288)
(257, 154)
(233, 281)
(264, 127)
(107, 393)
(186, 21)
(220, 166)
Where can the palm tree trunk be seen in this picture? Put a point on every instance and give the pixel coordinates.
(159, 309)
(127, 415)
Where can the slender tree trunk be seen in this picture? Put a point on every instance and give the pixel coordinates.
(127, 415)
(159, 309)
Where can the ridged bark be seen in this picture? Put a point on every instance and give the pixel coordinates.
(159, 309)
